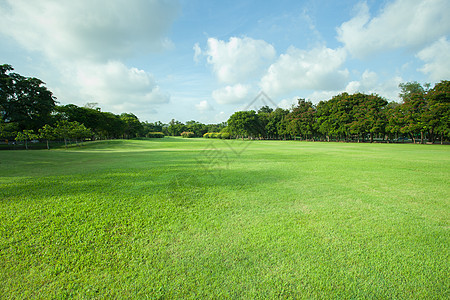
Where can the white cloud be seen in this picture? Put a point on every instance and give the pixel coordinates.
(239, 59)
(402, 23)
(94, 30)
(319, 68)
(203, 106)
(287, 103)
(231, 94)
(368, 81)
(197, 52)
(437, 58)
(115, 85)
(368, 84)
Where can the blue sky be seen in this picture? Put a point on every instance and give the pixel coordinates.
(203, 60)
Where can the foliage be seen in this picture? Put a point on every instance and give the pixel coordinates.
(155, 135)
(48, 133)
(26, 104)
(244, 124)
(132, 126)
(25, 136)
(187, 134)
(24, 100)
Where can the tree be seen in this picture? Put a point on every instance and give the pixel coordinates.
(48, 133)
(71, 130)
(197, 128)
(439, 108)
(133, 127)
(25, 136)
(274, 120)
(176, 128)
(414, 108)
(244, 123)
(24, 100)
(367, 115)
(302, 119)
(8, 130)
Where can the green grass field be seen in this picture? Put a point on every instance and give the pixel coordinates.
(196, 218)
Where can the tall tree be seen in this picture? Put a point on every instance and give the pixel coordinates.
(414, 108)
(133, 127)
(48, 133)
(26, 135)
(439, 108)
(244, 123)
(24, 100)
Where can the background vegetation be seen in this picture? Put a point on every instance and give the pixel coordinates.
(29, 111)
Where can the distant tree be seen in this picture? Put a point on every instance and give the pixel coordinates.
(71, 130)
(26, 135)
(439, 110)
(24, 100)
(152, 127)
(265, 109)
(244, 123)
(48, 133)
(8, 130)
(302, 119)
(273, 123)
(197, 128)
(175, 128)
(133, 127)
(414, 108)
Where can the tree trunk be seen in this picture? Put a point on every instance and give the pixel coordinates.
(371, 137)
(26, 145)
(48, 147)
(421, 137)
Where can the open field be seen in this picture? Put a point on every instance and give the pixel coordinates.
(196, 218)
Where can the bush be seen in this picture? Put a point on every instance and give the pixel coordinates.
(225, 135)
(187, 134)
(155, 135)
(217, 135)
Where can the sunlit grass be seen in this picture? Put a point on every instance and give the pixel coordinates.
(195, 218)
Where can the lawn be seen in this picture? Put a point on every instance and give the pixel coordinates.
(197, 218)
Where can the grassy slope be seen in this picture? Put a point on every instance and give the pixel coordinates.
(281, 219)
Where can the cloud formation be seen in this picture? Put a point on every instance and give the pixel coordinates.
(203, 106)
(437, 60)
(239, 59)
(402, 23)
(86, 41)
(85, 29)
(319, 68)
(231, 94)
(115, 84)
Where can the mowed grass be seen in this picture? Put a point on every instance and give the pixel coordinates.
(195, 218)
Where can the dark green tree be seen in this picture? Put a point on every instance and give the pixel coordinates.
(244, 124)
(24, 100)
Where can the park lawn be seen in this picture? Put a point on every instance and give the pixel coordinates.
(199, 218)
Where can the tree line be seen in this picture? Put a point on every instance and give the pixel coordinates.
(29, 111)
(423, 115)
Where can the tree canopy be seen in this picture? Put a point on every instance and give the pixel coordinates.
(27, 108)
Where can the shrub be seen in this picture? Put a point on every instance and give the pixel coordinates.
(187, 134)
(225, 135)
(155, 135)
(207, 135)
